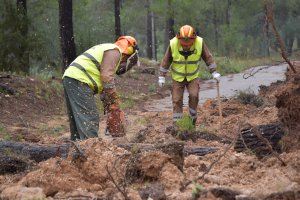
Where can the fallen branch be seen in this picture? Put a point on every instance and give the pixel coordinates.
(264, 140)
(5, 76)
(215, 161)
(7, 89)
(252, 140)
(122, 191)
(270, 18)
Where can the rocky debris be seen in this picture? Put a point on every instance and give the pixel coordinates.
(154, 191)
(19, 193)
(171, 177)
(224, 193)
(286, 195)
(141, 135)
(248, 140)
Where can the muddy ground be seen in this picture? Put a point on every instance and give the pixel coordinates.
(36, 113)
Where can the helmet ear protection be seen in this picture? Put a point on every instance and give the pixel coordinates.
(127, 44)
(132, 49)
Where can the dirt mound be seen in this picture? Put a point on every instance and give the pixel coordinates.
(288, 104)
(104, 170)
(55, 175)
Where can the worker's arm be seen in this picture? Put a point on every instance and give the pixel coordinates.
(110, 99)
(166, 62)
(108, 72)
(208, 58)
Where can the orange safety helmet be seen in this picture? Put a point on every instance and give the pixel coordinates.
(186, 35)
(127, 44)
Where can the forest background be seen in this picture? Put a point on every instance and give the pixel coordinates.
(31, 40)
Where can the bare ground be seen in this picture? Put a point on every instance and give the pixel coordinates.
(103, 174)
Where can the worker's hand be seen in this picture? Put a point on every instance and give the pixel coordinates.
(216, 76)
(115, 121)
(161, 81)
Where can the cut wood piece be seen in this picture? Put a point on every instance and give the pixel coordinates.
(248, 140)
(6, 89)
(16, 156)
(199, 151)
(12, 164)
(34, 152)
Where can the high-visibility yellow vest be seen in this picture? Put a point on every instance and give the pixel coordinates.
(182, 68)
(86, 67)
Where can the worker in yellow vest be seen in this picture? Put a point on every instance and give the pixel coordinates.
(183, 55)
(94, 72)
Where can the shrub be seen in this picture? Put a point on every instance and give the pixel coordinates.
(185, 124)
(249, 97)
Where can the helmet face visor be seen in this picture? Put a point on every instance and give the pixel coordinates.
(130, 62)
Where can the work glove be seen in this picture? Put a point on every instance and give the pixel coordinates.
(216, 76)
(108, 98)
(161, 81)
(115, 121)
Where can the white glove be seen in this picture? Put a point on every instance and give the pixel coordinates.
(161, 81)
(216, 76)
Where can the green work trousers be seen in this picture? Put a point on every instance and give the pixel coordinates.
(82, 110)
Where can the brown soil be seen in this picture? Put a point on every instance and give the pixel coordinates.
(103, 174)
(288, 104)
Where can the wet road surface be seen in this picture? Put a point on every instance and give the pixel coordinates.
(229, 85)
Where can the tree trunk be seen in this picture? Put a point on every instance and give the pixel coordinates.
(227, 22)
(169, 31)
(267, 32)
(155, 42)
(66, 33)
(228, 13)
(289, 45)
(215, 23)
(149, 31)
(22, 12)
(117, 19)
(153, 36)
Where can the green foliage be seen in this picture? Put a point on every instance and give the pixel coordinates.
(196, 191)
(3, 133)
(241, 35)
(12, 42)
(249, 97)
(126, 102)
(152, 87)
(185, 124)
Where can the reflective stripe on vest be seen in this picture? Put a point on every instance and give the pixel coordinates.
(182, 68)
(87, 74)
(86, 67)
